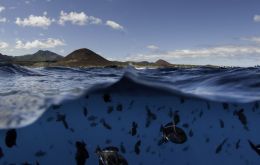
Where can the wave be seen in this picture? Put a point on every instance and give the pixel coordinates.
(13, 69)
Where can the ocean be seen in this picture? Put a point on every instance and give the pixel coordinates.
(189, 116)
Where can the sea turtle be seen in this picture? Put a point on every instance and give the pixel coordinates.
(173, 133)
(110, 156)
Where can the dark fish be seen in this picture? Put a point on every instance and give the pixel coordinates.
(107, 98)
(137, 147)
(82, 154)
(85, 111)
(1, 153)
(256, 148)
(241, 117)
(130, 105)
(225, 106)
(201, 113)
(221, 122)
(182, 100)
(238, 144)
(105, 124)
(92, 118)
(26, 163)
(110, 109)
(134, 129)
(219, 148)
(40, 153)
(62, 118)
(256, 105)
(119, 107)
(150, 116)
(10, 138)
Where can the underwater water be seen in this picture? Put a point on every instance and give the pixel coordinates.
(187, 116)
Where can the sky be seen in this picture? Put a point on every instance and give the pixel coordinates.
(217, 32)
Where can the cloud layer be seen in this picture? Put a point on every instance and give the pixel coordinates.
(35, 21)
(39, 44)
(78, 18)
(2, 19)
(75, 18)
(2, 8)
(3, 45)
(226, 52)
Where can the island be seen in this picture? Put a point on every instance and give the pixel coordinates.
(80, 58)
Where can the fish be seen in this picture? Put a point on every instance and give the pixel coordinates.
(256, 148)
(10, 138)
(62, 118)
(137, 147)
(82, 154)
(241, 117)
(107, 98)
(134, 128)
(219, 148)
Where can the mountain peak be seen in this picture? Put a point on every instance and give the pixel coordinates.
(44, 52)
(162, 62)
(84, 57)
(40, 55)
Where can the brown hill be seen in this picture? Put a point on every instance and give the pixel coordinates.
(84, 57)
(161, 62)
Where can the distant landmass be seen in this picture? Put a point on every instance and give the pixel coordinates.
(5, 58)
(84, 57)
(78, 58)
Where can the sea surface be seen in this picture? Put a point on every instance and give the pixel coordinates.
(30, 91)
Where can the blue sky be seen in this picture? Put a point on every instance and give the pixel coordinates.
(219, 32)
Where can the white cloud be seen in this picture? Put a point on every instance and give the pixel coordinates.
(40, 44)
(255, 39)
(114, 25)
(227, 51)
(35, 21)
(152, 47)
(78, 18)
(257, 18)
(2, 8)
(3, 45)
(3, 20)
